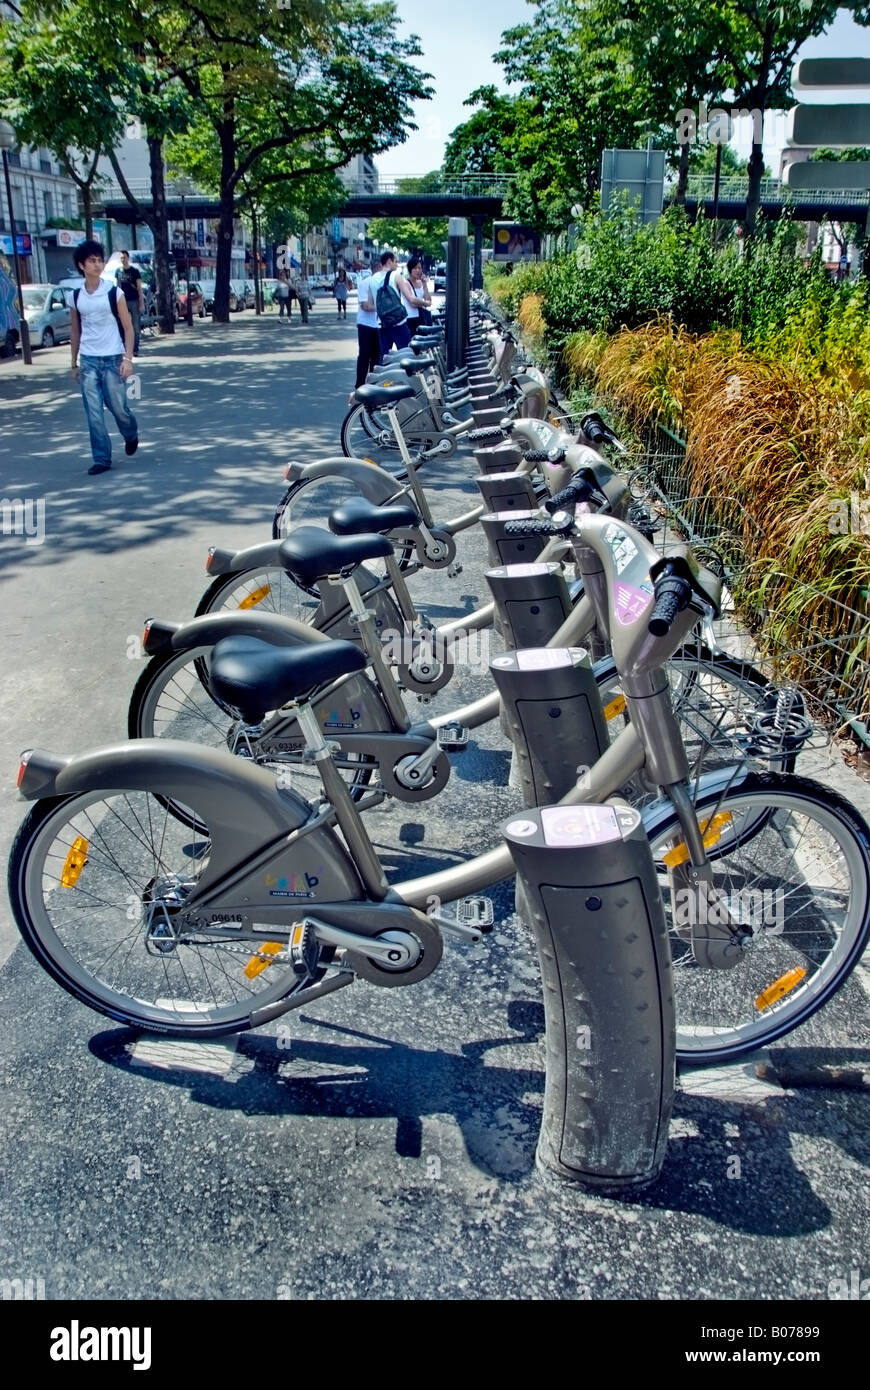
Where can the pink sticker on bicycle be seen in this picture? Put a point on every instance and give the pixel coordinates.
(630, 603)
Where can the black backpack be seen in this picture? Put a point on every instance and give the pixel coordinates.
(388, 302)
(113, 305)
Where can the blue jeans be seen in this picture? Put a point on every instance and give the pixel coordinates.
(400, 335)
(102, 385)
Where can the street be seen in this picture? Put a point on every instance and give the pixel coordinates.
(380, 1143)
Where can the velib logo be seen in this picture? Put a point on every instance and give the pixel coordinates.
(75, 1343)
(341, 718)
(294, 885)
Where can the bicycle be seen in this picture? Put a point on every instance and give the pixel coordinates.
(235, 927)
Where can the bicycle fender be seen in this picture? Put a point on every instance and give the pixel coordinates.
(234, 561)
(245, 806)
(270, 627)
(373, 483)
(715, 783)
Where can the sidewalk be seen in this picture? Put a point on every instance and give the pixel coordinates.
(381, 1145)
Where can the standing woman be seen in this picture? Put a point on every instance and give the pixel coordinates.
(340, 290)
(418, 283)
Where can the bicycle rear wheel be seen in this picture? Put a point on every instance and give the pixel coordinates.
(791, 862)
(89, 877)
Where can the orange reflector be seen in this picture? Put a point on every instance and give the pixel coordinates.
(257, 964)
(780, 987)
(615, 707)
(366, 459)
(256, 597)
(75, 861)
(712, 833)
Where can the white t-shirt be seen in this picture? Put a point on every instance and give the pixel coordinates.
(367, 317)
(100, 336)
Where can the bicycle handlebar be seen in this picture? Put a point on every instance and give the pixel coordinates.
(540, 526)
(672, 595)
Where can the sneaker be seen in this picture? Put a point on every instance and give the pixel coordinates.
(99, 468)
(131, 446)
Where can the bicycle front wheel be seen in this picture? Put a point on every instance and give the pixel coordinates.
(369, 435)
(94, 880)
(791, 863)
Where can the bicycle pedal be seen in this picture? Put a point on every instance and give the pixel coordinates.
(452, 738)
(304, 949)
(468, 918)
(453, 570)
(475, 912)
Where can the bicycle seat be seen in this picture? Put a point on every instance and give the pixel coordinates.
(383, 395)
(416, 364)
(252, 676)
(419, 345)
(310, 553)
(360, 517)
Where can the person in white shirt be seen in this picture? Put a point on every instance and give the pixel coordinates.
(101, 339)
(368, 337)
(399, 334)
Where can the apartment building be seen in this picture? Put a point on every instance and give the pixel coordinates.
(42, 194)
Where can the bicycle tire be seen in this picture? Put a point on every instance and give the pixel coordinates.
(267, 587)
(309, 502)
(799, 828)
(369, 435)
(80, 935)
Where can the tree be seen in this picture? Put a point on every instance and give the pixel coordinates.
(56, 99)
(315, 83)
(764, 37)
(482, 144)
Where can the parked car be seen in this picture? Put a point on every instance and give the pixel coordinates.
(440, 277)
(268, 286)
(47, 314)
(240, 296)
(196, 299)
(207, 289)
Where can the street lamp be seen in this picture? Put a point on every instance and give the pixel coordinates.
(183, 187)
(7, 140)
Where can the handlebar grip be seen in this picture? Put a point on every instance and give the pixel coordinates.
(539, 526)
(491, 435)
(578, 490)
(535, 455)
(672, 595)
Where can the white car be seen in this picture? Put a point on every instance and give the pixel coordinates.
(47, 314)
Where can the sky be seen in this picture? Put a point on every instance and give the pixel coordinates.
(458, 42)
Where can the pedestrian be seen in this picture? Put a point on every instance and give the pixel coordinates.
(303, 294)
(391, 296)
(340, 290)
(418, 286)
(282, 295)
(129, 278)
(367, 330)
(101, 339)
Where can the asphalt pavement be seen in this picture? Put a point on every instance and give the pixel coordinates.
(379, 1144)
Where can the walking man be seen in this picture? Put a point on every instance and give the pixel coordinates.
(130, 281)
(282, 294)
(101, 327)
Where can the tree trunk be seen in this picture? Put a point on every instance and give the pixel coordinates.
(226, 135)
(683, 175)
(88, 208)
(753, 190)
(160, 231)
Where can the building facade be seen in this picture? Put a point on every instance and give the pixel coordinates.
(41, 196)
